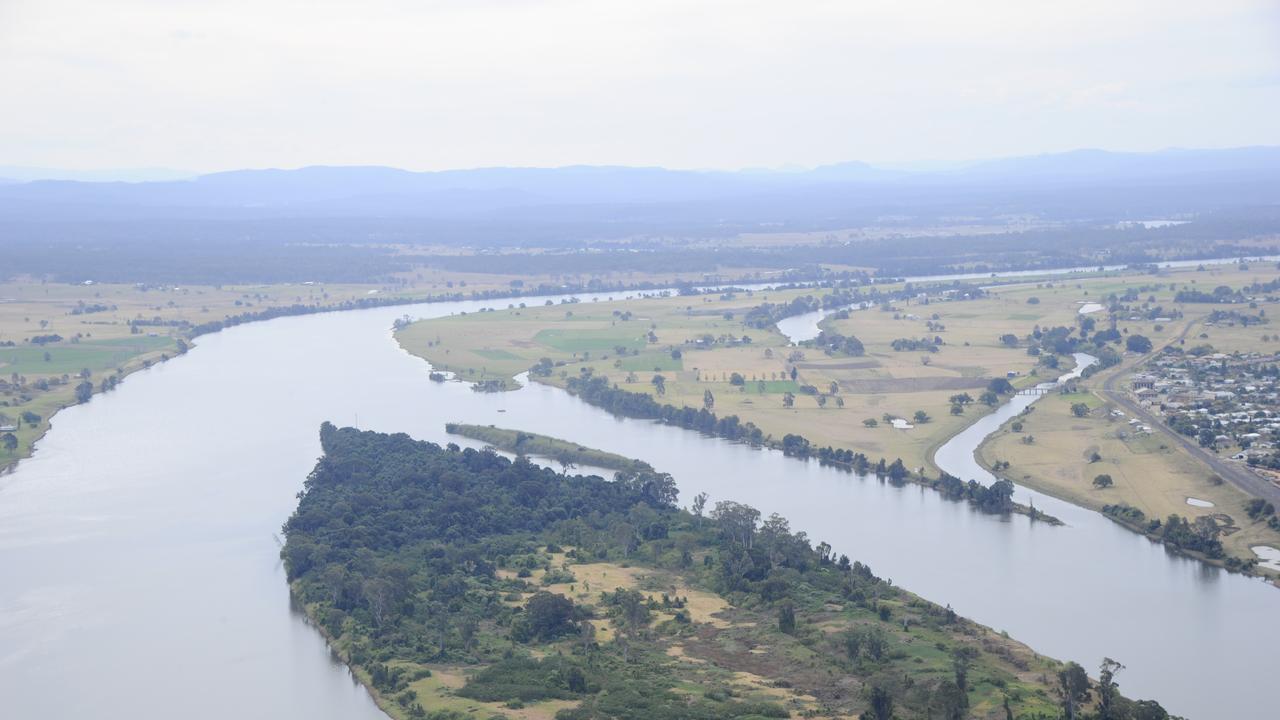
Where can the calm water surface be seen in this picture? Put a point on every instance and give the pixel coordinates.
(140, 578)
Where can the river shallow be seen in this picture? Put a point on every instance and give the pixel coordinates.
(141, 576)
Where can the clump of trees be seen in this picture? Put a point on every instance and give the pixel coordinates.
(994, 498)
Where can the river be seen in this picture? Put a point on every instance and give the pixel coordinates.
(141, 577)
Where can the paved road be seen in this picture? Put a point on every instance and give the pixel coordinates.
(1241, 477)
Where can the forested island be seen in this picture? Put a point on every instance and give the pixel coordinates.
(458, 583)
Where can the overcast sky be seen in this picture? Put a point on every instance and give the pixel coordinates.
(205, 85)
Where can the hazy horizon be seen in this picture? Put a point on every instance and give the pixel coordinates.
(25, 173)
(204, 88)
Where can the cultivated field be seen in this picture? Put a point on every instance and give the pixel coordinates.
(1150, 471)
(697, 346)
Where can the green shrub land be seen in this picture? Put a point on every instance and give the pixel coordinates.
(458, 583)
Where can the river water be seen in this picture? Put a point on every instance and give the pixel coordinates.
(140, 578)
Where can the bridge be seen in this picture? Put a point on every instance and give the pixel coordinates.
(1036, 391)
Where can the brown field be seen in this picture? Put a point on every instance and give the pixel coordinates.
(1150, 473)
(1153, 478)
(501, 344)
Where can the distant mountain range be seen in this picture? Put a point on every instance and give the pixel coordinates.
(18, 173)
(1091, 185)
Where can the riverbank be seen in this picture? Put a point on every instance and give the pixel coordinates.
(711, 352)
(567, 454)
(1060, 450)
(1154, 476)
(56, 338)
(166, 495)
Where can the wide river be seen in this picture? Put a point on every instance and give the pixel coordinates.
(140, 577)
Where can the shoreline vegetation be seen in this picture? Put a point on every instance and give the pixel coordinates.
(566, 454)
(470, 585)
(1178, 536)
(1047, 344)
(996, 499)
(80, 389)
(1184, 535)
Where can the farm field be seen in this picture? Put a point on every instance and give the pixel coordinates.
(697, 347)
(1149, 472)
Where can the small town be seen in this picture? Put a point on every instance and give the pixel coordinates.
(1230, 403)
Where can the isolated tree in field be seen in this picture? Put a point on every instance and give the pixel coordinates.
(839, 401)
(921, 417)
(1138, 344)
(1000, 386)
(1103, 481)
(737, 379)
(1079, 410)
(788, 399)
(822, 401)
(961, 399)
(989, 398)
(794, 374)
(708, 400)
(659, 384)
(761, 386)
(10, 442)
(870, 422)
(1009, 339)
(834, 387)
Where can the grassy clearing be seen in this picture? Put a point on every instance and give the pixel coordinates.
(612, 338)
(883, 382)
(1149, 472)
